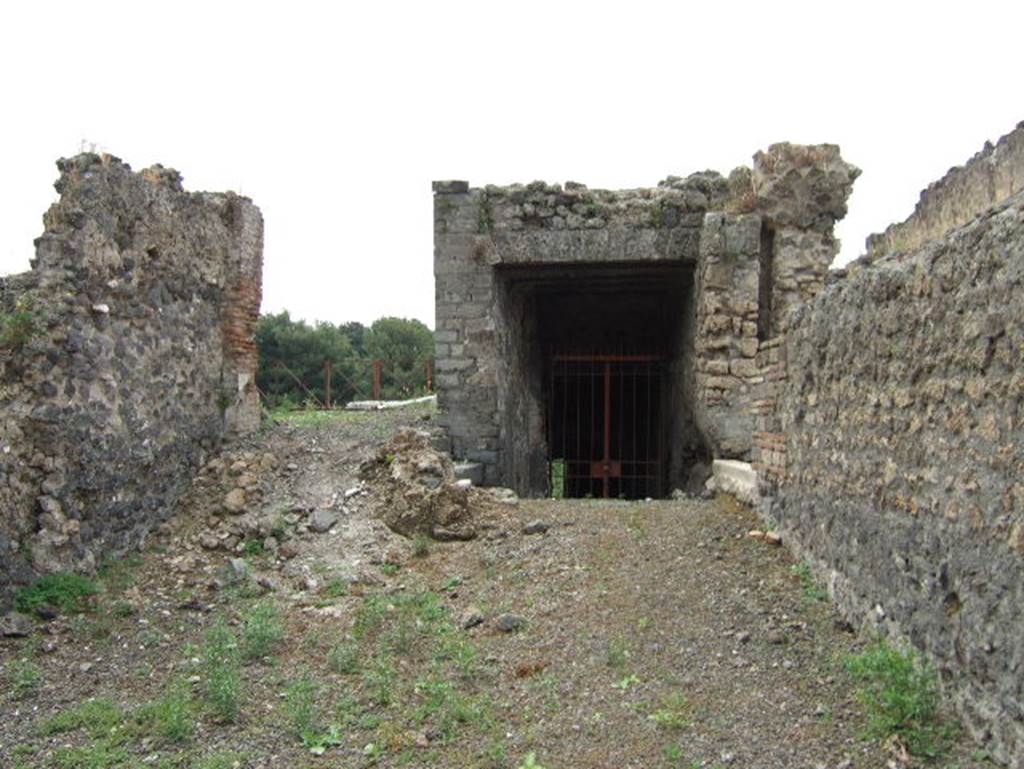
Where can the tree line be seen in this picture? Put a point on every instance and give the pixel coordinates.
(293, 353)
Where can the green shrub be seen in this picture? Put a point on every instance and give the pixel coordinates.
(17, 327)
(344, 658)
(901, 694)
(170, 717)
(262, 630)
(23, 678)
(223, 682)
(99, 755)
(302, 709)
(62, 590)
(420, 546)
(96, 716)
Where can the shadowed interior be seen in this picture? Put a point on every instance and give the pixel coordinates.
(600, 379)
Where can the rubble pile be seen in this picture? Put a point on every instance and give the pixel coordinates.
(412, 488)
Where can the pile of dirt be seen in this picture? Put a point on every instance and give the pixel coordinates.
(414, 491)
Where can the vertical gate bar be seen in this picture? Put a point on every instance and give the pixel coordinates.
(549, 423)
(647, 432)
(565, 427)
(633, 388)
(622, 369)
(607, 427)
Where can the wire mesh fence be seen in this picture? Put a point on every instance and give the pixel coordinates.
(334, 384)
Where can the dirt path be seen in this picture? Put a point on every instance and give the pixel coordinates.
(615, 635)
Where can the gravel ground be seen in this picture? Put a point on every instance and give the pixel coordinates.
(614, 634)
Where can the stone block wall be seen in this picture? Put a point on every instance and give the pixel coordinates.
(991, 176)
(902, 480)
(139, 358)
(759, 244)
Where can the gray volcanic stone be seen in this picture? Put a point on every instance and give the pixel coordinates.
(137, 359)
(14, 624)
(322, 520)
(509, 623)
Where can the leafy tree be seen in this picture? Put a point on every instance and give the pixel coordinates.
(293, 352)
(404, 346)
(292, 355)
(356, 333)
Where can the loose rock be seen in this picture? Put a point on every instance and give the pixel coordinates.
(234, 501)
(536, 527)
(14, 624)
(321, 521)
(509, 623)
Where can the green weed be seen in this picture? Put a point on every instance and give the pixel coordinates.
(370, 616)
(626, 682)
(96, 716)
(812, 590)
(171, 717)
(672, 713)
(18, 326)
(336, 588)
(420, 546)
(344, 658)
(262, 630)
(223, 682)
(253, 548)
(673, 753)
(24, 678)
(901, 694)
(62, 590)
(99, 755)
(617, 654)
(530, 762)
(302, 709)
(380, 678)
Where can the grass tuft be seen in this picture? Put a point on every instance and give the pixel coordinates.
(262, 630)
(223, 682)
(23, 678)
(171, 717)
(62, 590)
(96, 716)
(901, 694)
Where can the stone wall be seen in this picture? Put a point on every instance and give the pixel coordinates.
(991, 176)
(137, 358)
(758, 244)
(895, 456)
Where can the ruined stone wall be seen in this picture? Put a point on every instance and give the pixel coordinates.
(902, 475)
(760, 243)
(993, 175)
(138, 358)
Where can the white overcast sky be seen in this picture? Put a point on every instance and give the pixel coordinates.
(335, 117)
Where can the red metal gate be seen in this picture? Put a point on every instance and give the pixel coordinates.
(604, 426)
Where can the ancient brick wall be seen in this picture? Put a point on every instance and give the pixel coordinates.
(902, 472)
(991, 176)
(138, 359)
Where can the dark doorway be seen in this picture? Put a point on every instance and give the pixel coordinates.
(597, 386)
(604, 421)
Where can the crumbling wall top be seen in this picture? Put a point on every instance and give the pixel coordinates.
(993, 175)
(803, 186)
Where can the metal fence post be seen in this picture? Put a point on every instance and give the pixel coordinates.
(376, 379)
(327, 383)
